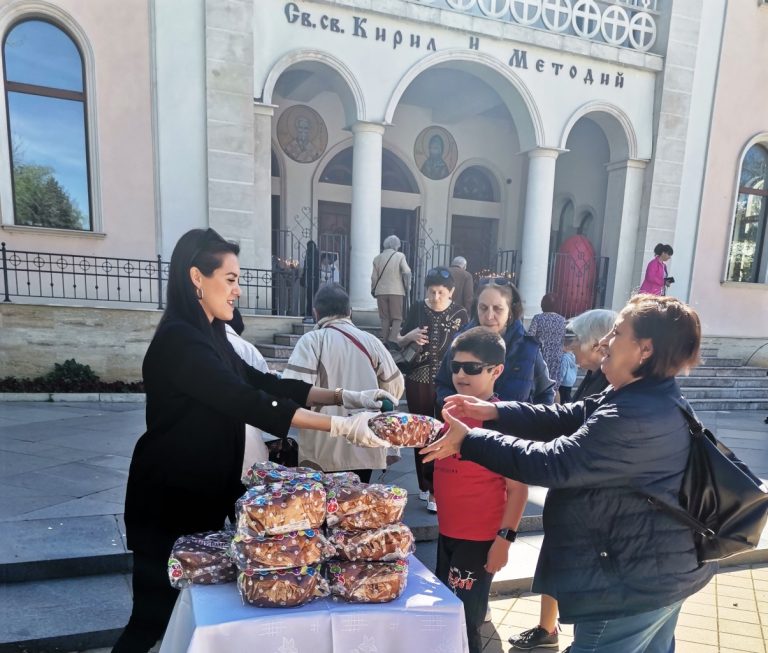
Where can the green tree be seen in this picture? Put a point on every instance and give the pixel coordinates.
(41, 201)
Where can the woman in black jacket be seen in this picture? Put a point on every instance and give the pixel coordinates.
(185, 471)
(619, 568)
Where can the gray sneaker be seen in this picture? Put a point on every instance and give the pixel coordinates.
(536, 637)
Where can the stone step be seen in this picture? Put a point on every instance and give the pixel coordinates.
(729, 404)
(725, 393)
(67, 614)
(720, 382)
(286, 339)
(722, 362)
(64, 547)
(708, 352)
(271, 350)
(738, 371)
(300, 328)
(276, 364)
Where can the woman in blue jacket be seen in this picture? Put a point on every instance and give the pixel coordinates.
(619, 568)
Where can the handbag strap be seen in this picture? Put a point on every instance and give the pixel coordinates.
(376, 285)
(355, 342)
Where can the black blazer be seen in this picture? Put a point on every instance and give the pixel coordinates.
(185, 470)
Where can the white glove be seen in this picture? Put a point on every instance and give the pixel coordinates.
(355, 429)
(368, 399)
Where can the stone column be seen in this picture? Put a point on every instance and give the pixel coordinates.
(262, 182)
(622, 218)
(366, 211)
(537, 224)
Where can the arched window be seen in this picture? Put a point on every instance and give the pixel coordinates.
(475, 183)
(395, 175)
(746, 255)
(48, 132)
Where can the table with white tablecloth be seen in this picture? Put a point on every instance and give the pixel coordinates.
(427, 618)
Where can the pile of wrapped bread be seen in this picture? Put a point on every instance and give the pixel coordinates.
(302, 534)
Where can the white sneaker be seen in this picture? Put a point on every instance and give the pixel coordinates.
(431, 506)
(488, 615)
(424, 495)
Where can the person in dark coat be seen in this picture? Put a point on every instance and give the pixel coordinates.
(185, 470)
(619, 568)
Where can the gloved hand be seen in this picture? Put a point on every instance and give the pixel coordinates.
(355, 429)
(368, 399)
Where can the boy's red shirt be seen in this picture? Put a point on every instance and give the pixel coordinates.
(470, 498)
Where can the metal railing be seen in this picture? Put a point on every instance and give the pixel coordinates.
(98, 280)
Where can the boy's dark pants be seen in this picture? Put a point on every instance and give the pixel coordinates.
(460, 565)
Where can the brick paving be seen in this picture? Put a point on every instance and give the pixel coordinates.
(730, 615)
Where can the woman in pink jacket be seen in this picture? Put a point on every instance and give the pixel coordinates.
(656, 280)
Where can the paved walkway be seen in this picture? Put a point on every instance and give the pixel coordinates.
(70, 460)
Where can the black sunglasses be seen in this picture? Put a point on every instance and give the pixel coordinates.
(472, 368)
(438, 272)
(498, 281)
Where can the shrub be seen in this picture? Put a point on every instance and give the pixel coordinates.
(69, 376)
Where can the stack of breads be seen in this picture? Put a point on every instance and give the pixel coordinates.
(302, 534)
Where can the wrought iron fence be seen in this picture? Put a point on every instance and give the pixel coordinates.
(100, 279)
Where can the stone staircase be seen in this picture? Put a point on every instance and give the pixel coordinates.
(718, 384)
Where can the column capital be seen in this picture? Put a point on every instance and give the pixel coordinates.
(638, 164)
(263, 109)
(544, 152)
(362, 126)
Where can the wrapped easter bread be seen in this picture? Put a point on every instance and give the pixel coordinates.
(201, 559)
(365, 506)
(281, 588)
(297, 549)
(280, 508)
(368, 582)
(385, 544)
(405, 429)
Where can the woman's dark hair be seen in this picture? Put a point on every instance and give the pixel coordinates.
(204, 249)
(331, 300)
(674, 329)
(549, 303)
(509, 292)
(668, 249)
(439, 276)
(481, 342)
(237, 323)
(659, 249)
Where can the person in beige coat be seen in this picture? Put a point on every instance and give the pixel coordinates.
(338, 354)
(463, 283)
(390, 279)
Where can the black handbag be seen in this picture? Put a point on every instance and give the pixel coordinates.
(721, 500)
(284, 451)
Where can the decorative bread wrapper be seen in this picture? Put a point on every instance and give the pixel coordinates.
(368, 582)
(201, 559)
(405, 429)
(365, 507)
(296, 549)
(385, 544)
(281, 588)
(281, 508)
(338, 479)
(267, 472)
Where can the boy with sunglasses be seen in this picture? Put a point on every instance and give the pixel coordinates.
(476, 524)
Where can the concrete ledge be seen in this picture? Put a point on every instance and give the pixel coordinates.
(111, 397)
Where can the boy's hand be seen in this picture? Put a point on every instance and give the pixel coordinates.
(498, 555)
(450, 443)
(463, 406)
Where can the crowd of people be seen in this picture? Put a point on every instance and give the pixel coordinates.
(610, 563)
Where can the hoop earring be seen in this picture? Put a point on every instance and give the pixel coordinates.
(199, 293)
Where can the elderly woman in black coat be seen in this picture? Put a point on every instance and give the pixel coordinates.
(619, 568)
(185, 471)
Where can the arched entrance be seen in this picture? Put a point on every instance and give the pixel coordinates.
(400, 199)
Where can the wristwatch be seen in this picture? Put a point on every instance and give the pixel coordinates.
(508, 534)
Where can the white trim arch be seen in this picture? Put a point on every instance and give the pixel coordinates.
(757, 139)
(354, 113)
(493, 169)
(525, 114)
(616, 125)
(31, 9)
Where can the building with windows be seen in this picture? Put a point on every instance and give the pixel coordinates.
(552, 141)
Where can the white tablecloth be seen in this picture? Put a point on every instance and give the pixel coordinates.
(427, 618)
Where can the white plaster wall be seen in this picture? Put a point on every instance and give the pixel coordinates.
(118, 36)
(731, 309)
(179, 51)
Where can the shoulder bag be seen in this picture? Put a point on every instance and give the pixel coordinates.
(721, 500)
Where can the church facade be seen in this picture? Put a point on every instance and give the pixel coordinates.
(554, 142)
